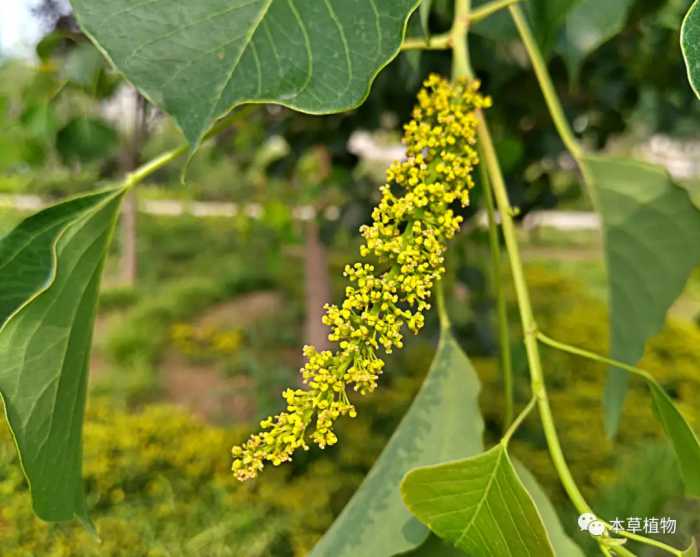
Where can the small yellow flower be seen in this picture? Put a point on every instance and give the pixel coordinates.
(408, 236)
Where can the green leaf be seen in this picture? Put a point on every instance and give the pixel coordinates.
(198, 60)
(590, 24)
(690, 45)
(444, 422)
(683, 439)
(562, 544)
(27, 252)
(85, 139)
(44, 354)
(652, 234)
(479, 504)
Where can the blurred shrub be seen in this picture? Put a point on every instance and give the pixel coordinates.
(143, 332)
(118, 298)
(205, 343)
(158, 484)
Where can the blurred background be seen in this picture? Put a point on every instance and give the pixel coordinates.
(212, 287)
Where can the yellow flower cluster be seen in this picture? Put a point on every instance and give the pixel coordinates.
(408, 237)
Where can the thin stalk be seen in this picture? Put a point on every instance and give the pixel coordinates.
(545, 81)
(444, 41)
(519, 420)
(442, 309)
(501, 307)
(437, 42)
(145, 170)
(460, 55)
(652, 542)
(461, 68)
(528, 320)
(544, 339)
(489, 9)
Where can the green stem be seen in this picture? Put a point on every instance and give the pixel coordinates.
(545, 81)
(437, 42)
(491, 8)
(544, 339)
(501, 307)
(651, 542)
(461, 68)
(444, 41)
(519, 420)
(145, 170)
(442, 309)
(528, 319)
(460, 55)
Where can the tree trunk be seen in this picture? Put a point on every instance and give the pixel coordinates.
(317, 286)
(129, 161)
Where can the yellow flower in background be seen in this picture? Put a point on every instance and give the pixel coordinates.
(205, 342)
(408, 238)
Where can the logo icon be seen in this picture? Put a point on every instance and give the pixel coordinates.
(589, 523)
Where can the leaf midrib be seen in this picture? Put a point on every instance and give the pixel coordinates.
(484, 498)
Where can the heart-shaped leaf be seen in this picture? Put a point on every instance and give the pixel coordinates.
(652, 243)
(45, 345)
(198, 60)
(690, 45)
(443, 423)
(479, 504)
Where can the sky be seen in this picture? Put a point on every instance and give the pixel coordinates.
(19, 29)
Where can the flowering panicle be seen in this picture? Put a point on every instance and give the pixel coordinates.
(408, 237)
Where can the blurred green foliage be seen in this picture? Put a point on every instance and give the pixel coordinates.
(159, 482)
